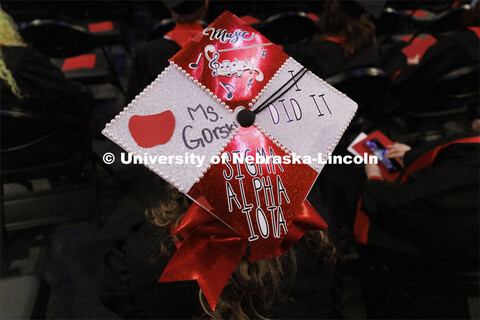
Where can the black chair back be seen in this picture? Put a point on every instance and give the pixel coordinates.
(446, 22)
(22, 126)
(454, 89)
(57, 39)
(362, 85)
(450, 96)
(36, 145)
(461, 83)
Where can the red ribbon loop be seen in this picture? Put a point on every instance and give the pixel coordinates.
(210, 250)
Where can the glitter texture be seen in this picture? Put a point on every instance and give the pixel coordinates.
(310, 118)
(231, 59)
(262, 194)
(187, 110)
(196, 115)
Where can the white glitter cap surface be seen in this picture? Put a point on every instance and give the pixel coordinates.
(202, 126)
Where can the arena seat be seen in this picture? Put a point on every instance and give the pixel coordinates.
(64, 42)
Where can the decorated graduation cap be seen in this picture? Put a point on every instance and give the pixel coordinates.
(237, 100)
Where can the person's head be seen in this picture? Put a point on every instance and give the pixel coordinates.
(254, 289)
(348, 20)
(187, 11)
(9, 37)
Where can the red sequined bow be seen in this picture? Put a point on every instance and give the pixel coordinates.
(210, 250)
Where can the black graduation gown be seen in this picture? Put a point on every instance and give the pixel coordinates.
(421, 257)
(127, 282)
(448, 53)
(37, 77)
(66, 104)
(430, 223)
(327, 58)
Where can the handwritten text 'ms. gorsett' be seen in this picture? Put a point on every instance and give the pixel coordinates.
(197, 137)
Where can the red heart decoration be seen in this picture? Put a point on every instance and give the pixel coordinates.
(152, 130)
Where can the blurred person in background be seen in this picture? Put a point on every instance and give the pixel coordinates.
(417, 233)
(28, 74)
(30, 84)
(421, 232)
(152, 57)
(431, 211)
(430, 56)
(345, 41)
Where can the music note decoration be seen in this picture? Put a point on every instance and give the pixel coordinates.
(230, 93)
(195, 65)
(228, 68)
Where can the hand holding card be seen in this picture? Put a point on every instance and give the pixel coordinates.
(378, 144)
(377, 148)
(397, 150)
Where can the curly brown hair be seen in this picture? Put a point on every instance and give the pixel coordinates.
(254, 289)
(357, 31)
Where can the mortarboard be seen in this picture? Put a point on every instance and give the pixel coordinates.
(357, 7)
(183, 6)
(230, 94)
